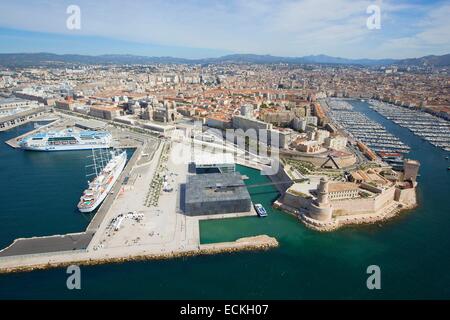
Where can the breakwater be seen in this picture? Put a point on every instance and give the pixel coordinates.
(64, 259)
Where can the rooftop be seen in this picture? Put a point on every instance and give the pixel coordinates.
(202, 159)
(105, 107)
(410, 161)
(215, 187)
(6, 101)
(342, 186)
(90, 124)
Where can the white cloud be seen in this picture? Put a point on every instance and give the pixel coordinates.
(283, 27)
(431, 36)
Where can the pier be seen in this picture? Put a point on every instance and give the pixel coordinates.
(361, 128)
(55, 243)
(428, 127)
(81, 240)
(106, 205)
(159, 231)
(64, 259)
(76, 241)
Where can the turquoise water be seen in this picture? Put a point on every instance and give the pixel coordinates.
(411, 250)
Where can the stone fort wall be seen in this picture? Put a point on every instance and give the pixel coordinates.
(363, 205)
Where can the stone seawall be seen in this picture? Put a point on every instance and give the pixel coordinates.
(386, 213)
(261, 242)
(363, 205)
(383, 215)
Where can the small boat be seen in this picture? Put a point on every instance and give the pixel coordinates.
(260, 210)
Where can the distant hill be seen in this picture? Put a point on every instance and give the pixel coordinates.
(437, 61)
(40, 59)
(333, 60)
(317, 59)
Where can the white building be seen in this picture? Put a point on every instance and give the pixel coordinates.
(311, 120)
(343, 190)
(247, 110)
(214, 162)
(336, 143)
(299, 124)
(321, 135)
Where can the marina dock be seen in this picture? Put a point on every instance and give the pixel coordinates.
(361, 128)
(428, 127)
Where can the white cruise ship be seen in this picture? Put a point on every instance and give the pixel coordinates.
(67, 140)
(99, 188)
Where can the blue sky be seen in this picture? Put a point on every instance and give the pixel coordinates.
(210, 28)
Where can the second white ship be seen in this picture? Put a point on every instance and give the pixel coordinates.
(67, 140)
(99, 188)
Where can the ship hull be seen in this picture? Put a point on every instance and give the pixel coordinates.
(65, 148)
(66, 140)
(115, 175)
